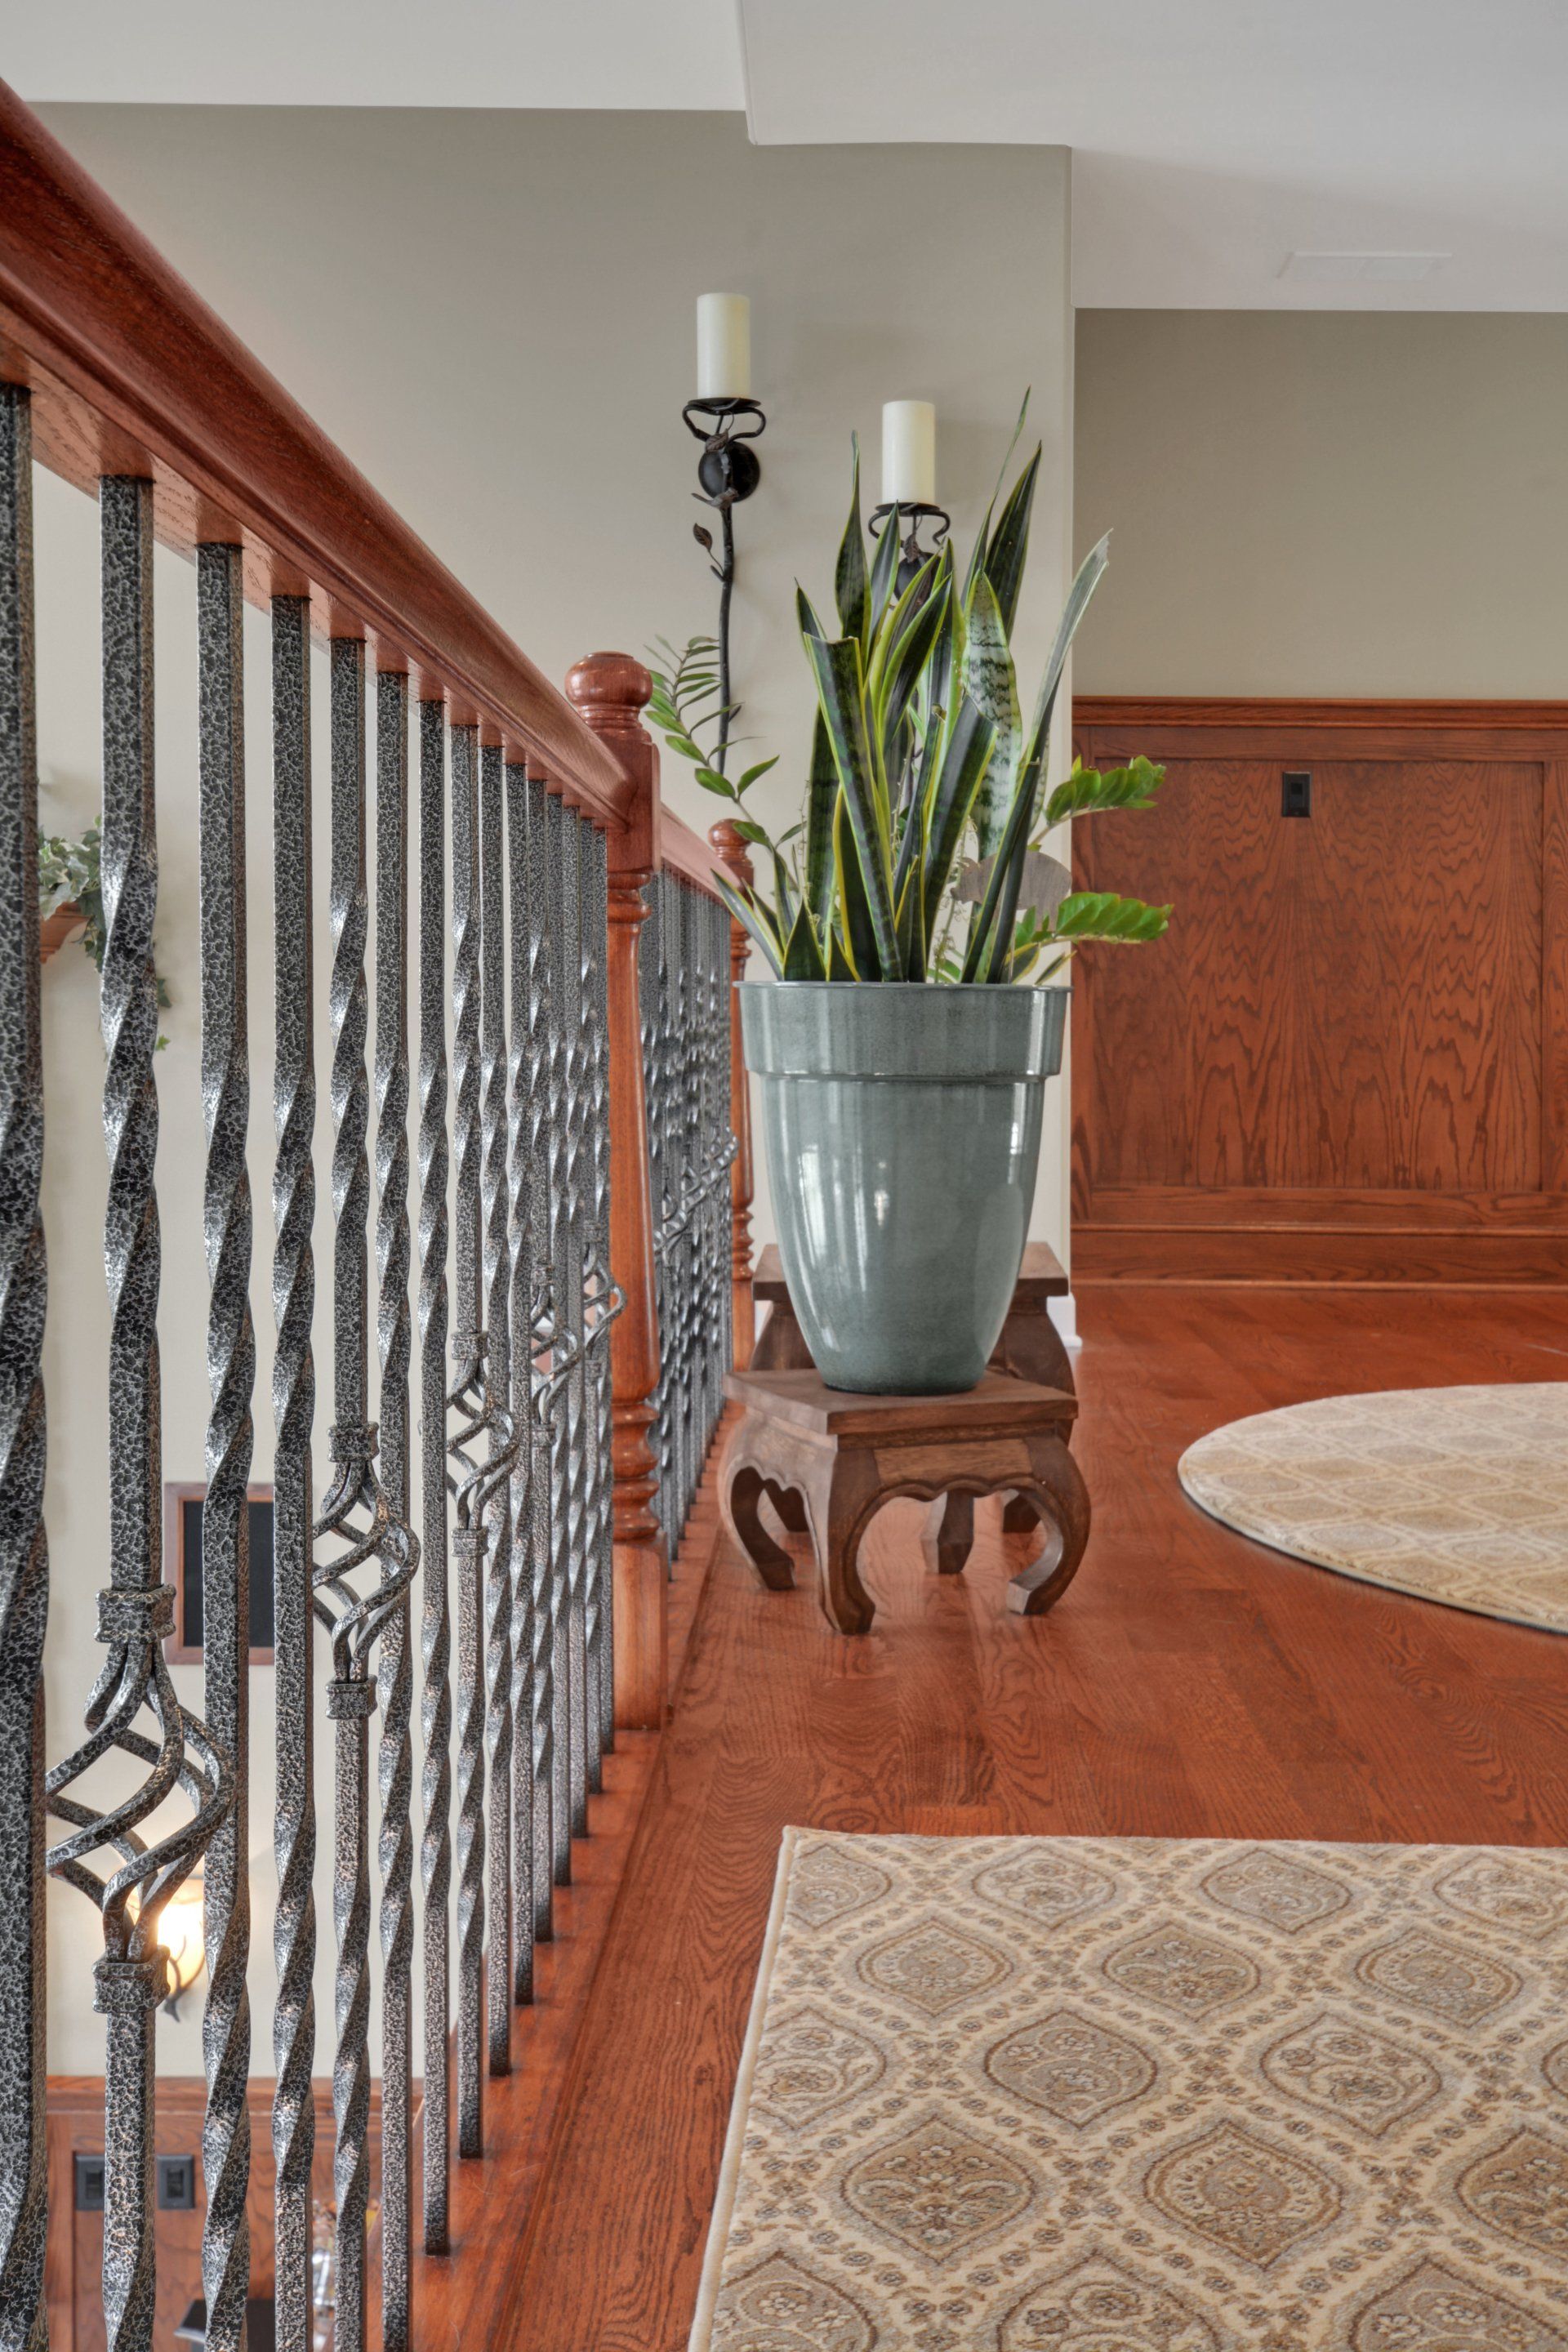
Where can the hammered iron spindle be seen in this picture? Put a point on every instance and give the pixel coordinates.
(136, 1610)
(435, 1636)
(24, 1550)
(293, 1415)
(355, 1509)
(231, 1374)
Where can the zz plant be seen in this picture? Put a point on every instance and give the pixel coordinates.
(917, 857)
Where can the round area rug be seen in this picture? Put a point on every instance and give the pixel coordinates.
(1459, 1496)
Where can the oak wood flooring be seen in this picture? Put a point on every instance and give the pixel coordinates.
(1190, 1683)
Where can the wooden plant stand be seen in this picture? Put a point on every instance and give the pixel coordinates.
(1030, 1347)
(845, 1455)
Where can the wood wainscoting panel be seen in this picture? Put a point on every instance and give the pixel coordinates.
(1348, 1059)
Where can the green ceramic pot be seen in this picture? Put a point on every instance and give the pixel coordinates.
(901, 1125)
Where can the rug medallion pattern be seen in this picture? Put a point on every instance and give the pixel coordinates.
(1458, 1494)
(1037, 2095)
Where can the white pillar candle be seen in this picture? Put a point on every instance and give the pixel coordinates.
(909, 453)
(723, 347)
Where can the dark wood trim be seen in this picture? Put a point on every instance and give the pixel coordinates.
(1274, 1255)
(1250, 726)
(133, 372)
(178, 1651)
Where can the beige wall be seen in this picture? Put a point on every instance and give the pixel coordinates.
(493, 314)
(1324, 505)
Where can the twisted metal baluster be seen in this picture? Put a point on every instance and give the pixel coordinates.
(519, 1315)
(561, 1347)
(569, 1283)
(137, 1610)
(231, 1374)
(649, 952)
(467, 1353)
(24, 1550)
(608, 1301)
(395, 1762)
(355, 1509)
(502, 1436)
(435, 1638)
(540, 1153)
(293, 1413)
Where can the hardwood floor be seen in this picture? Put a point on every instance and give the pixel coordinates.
(1190, 1682)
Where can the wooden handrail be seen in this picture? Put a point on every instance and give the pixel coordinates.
(133, 373)
(686, 854)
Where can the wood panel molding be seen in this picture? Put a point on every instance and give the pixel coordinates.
(1348, 1061)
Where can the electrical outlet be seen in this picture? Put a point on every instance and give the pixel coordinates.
(177, 2184)
(1296, 792)
(89, 2171)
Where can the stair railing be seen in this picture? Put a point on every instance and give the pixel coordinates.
(529, 1212)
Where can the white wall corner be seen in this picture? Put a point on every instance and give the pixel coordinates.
(1063, 1313)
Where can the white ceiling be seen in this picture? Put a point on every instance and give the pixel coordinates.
(1212, 138)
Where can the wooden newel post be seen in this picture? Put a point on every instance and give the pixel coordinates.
(610, 691)
(731, 850)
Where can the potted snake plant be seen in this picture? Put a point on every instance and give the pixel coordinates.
(917, 934)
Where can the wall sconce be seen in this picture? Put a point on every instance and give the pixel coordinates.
(180, 1933)
(909, 483)
(726, 420)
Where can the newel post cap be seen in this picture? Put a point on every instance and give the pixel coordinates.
(610, 691)
(731, 846)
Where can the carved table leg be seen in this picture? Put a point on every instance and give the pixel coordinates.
(1060, 1501)
(948, 1537)
(1032, 1349)
(1019, 1517)
(739, 1491)
(842, 1492)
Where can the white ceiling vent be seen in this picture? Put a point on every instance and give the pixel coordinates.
(1364, 269)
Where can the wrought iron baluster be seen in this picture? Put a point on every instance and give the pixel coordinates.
(541, 1161)
(468, 1399)
(608, 1302)
(293, 1413)
(650, 1000)
(24, 1550)
(501, 1436)
(562, 1347)
(231, 1374)
(519, 1315)
(570, 1270)
(136, 1610)
(396, 1761)
(355, 1510)
(435, 1638)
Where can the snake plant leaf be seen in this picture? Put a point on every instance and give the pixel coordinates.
(821, 799)
(784, 897)
(912, 928)
(838, 964)
(991, 685)
(805, 615)
(754, 917)
(1010, 546)
(964, 758)
(849, 887)
(1087, 789)
(841, 690)
(802, 954)
(991, 935)
(885, 565)
(983, 540)
(850, 589)
(901, 674)
(1102, 915)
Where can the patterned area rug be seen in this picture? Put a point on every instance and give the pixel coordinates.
(1458, 1494)
(1069, 2094)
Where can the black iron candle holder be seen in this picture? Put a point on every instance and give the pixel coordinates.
(912, 556)
(727, 470)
